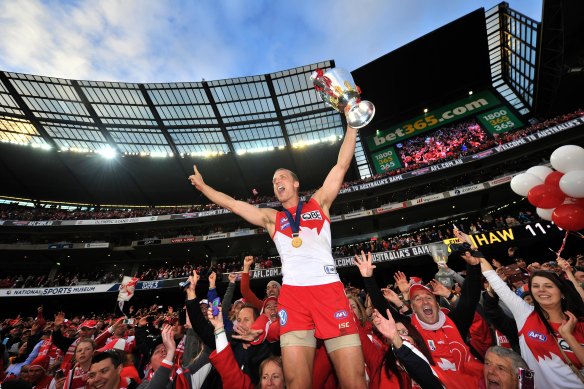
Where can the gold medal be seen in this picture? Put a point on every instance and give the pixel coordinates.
(296, 241)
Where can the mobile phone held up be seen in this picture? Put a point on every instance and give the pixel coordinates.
(215, 306)
(128, 321)
(526, 378)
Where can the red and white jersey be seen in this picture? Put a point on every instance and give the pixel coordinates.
(538, 347)
(312, 263)
(76, 379)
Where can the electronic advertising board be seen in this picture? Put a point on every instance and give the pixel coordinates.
(483, 109)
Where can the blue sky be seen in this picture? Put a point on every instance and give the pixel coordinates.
(188, 40)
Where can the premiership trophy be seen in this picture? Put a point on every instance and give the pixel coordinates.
(439, 253)
(338, 90)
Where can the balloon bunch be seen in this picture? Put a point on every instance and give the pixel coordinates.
(558, 194)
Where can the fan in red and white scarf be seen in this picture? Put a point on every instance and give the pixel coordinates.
(76, 378)
(160, 353)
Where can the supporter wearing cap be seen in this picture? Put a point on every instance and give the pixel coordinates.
(445, 334)
(37, 373)
(268, 322)
(204, 304)
(272, 289)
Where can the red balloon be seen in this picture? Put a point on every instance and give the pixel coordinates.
(570, 217)
(546, 196)
(553, 179)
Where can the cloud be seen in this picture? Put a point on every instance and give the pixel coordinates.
(165, 41)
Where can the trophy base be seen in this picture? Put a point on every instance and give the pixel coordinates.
(359, 115)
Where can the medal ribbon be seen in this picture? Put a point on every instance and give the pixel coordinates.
(294, 223)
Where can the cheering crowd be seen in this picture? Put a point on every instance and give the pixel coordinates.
(497, 220)
(521, 325)
(466, 330)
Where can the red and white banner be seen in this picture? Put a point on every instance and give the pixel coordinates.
(127, 288)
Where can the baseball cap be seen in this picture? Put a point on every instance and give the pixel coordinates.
(418, 288)
(267, 300)
(88, 324)
(204, 301)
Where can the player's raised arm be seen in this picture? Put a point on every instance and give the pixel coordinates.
(333, 181)
(262, 217)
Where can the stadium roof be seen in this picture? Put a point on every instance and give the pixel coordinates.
(198, 118)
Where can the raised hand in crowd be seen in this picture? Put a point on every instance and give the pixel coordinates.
(216, 321)
(212, 280)
(59, 319)
(402, 283)
(190, 290)
(391, 296)
(439, 289)
(470, 259)
(232, 277)
(496, 264)
(245, 333)
(168, 341)
(364, 263)
(465, 238)
(567, 268)
(387, 327)
(247, 262)
(143, 321)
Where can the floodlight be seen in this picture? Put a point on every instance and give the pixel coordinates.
(108, 153)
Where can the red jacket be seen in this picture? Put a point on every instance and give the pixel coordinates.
(247, 293)
(231, 375)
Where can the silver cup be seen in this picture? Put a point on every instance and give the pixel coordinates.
(338, 90)
(439, 253)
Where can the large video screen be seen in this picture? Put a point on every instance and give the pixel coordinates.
(448, 132)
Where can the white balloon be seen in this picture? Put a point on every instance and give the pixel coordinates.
(568, 158)
(522, 183)
(539, 171)
(545, 214)
(572, 183)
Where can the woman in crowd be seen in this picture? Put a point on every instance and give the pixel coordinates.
(76, 378)
(551, 332)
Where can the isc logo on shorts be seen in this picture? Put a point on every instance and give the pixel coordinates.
(283, 317)
(341, 314)
(312, 215)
